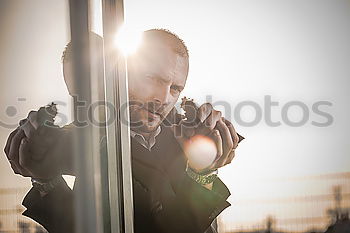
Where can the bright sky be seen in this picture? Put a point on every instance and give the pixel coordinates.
(240, 50)
(289, 50)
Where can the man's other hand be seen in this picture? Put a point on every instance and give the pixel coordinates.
(217, 128)
(39, 151)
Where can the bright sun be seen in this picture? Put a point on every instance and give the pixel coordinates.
(128, 40)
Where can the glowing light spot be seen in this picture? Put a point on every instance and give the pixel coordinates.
(201, 152)
(128, 40)
(70, 180)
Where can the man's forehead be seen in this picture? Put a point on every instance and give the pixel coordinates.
(156, 51)
(160, 60)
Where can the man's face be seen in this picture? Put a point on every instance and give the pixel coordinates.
(156, 77)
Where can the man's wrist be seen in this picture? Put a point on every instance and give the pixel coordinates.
(203, 178)
(44, 186)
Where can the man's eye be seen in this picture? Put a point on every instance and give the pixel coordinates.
(176, 89)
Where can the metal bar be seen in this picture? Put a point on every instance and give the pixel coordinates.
(125, 146)
(125, 132)
(111, 130)
(85, 206)
(118, 135)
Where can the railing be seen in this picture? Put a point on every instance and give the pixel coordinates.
(296, 213)
(11, 218)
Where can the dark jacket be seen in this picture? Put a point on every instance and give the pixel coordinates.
(165, 198)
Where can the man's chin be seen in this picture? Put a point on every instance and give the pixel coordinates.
(146, 127)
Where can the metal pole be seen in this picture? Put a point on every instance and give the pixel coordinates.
(86, 220)
(118, 134)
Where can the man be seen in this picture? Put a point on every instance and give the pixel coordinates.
(170, 195)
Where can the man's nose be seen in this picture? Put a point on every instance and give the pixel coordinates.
(162, 96)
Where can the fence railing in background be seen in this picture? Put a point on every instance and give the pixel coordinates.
(336, 205)
(11, 218)
(311, 212)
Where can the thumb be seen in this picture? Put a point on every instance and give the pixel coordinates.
(28, 129)
(183, 131)
(32, 117)
(24, 155)
(204, 111)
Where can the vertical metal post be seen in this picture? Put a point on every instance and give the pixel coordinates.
(120, 194)
(118, 134)
(86, 220)
(125, 147)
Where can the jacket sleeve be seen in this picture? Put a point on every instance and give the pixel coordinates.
(54, 211)
(205, 204)
(193, 209)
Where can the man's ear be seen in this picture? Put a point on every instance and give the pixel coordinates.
(68, 77)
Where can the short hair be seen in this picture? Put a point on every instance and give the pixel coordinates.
(159, 34)
(169, 38)
(67, 52)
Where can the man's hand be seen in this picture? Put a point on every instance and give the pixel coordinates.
(218, 129)
(39, 151)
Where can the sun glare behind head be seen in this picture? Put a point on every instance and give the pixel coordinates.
(128, 40)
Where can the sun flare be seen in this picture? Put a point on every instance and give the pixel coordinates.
(128, 40)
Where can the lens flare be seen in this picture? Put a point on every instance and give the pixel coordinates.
(128, 40)
(200, 151)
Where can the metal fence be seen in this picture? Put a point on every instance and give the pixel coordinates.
(11, 218)
(310, 212)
